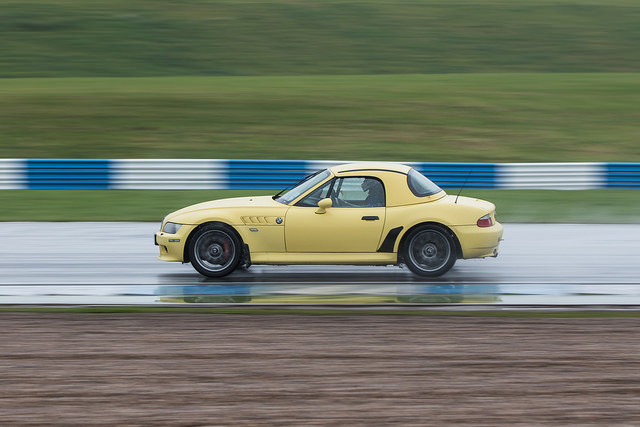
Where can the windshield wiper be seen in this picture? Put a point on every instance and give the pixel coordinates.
(275, 196)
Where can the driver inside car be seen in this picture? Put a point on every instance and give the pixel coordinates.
(375, 193)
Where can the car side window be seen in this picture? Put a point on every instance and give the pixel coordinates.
(350, 192)
(312, 199)
(358, 192)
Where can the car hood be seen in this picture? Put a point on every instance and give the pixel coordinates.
(236, 202)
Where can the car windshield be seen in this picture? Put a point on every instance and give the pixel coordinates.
(303, 186)
(420, 185)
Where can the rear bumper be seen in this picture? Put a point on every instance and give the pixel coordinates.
(171, 246)
(479, 242)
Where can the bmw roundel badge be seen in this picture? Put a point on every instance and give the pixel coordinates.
(278, 220)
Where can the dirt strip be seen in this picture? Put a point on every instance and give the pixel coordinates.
(204, 369)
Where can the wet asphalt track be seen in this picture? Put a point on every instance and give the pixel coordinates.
(549, 260)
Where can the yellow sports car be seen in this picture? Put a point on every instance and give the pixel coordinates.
(357, 214)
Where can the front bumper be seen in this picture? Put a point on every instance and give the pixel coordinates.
(479, 242)
(172, 245)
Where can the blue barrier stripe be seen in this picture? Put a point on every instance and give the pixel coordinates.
(454, 175)
(620, 178)
(65, 174)
(623, 175)
(457, 166)
(257, 186)
(73, 186)
(260, 174)
(634, 167)
(276, 174)
(265, 180)
(268, 164)
(265, 174)
(69, 182)
(68, 173)
(68, 163)
(461, 177)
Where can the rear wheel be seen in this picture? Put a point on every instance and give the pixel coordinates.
(215, 250)
(429, 251)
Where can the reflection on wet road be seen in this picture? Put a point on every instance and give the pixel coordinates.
(554, 261)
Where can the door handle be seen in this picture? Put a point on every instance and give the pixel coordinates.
(370, 218)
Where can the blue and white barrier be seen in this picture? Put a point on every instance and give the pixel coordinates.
(12, 174)
(200, 174)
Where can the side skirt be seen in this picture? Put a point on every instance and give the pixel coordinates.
(285, 258)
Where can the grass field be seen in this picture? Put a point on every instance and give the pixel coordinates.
(72, 38)
(419, 80)
(592, 206)
(461, 117)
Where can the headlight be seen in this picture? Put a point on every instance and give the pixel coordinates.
(171, 227)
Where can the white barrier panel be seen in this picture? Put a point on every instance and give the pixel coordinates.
(13, 174)
(169, 174)
(551, 176)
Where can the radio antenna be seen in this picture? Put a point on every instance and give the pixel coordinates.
(465, 183)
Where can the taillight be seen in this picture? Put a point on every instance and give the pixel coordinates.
(485, 221)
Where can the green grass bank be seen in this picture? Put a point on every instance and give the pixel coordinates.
(456, 118)
(72, 38)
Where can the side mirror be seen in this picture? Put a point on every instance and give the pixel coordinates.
(323, 205)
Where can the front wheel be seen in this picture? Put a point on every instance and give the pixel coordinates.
(214, 250)
(429, 251)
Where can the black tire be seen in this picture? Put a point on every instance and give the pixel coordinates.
(215, 250)
(429, 251)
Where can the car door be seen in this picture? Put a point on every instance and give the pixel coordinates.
(353, 223)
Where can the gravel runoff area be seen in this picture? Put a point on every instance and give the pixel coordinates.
(212, 369)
